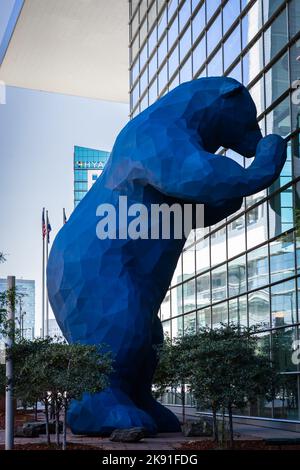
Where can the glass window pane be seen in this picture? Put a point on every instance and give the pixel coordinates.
(279, 119)
(257, 225)
(189, 322)
(215, 65)
(218, 246)
(202, 255)
(173, 61)
(282, 258)
(236, 236)
(189, 296)
(198, 23)
(162, 23)
(204, 317)
(219, 283)
(238, 311)
(162, 78)
(237, 276)
(165, 308)
(258, 267)
(177, 327)
(167, 328)
(277, 80)
(203, 290)
(219, 314)
(171, 8)
(184, 14)
(214, 34)
(162, 50)
(295, 82)
(230, 12)
(152, 66)
(257, 94)
(270, 6)
(282, 347)
(253, 62)
(188, 262)
(153, 92)
(211, 6)
(294, 17)
(176, 299)
(281, 212)
(186, 71)
(259, 308)
(251, 23)
(283, 301)
(185, 43)
(276, 37)
(236, 72)
(232, 47)
(173, 33)
(152, 41)
(199, 55)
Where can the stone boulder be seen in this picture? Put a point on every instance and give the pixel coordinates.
(201, 428)
(34, 429)
(127, 435)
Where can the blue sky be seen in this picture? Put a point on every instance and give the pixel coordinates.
(37, 134)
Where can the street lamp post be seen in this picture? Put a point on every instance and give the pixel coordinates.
(9, 399)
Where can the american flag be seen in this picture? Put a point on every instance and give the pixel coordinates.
(48, 229)
(44, 227)
(64, 216)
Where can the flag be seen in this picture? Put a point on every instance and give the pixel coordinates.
(44, 228)
(64, 216)
(48, 229)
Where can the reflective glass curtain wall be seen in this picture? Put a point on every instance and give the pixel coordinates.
(246, 268)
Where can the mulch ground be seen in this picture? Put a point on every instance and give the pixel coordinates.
(238, 445)
(70, 446)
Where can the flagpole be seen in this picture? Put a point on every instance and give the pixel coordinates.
(43, 281)
(47, 300)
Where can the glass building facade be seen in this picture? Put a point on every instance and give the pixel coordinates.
(25, 310)
(246, 268)
(88, 166)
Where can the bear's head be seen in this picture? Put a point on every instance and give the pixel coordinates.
(237, 128)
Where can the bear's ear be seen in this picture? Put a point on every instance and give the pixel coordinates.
(231, 89)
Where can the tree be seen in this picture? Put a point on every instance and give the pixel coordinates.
(225, 371)
(47, 371)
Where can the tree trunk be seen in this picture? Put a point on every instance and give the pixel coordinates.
(223, 439)
(64, 444)
(215, 424)
(35, 411)
(47, 421)
(183, 402)
(230, 425)
(57, 422)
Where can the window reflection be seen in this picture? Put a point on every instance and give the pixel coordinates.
(230, 12)
(173, 61)
(173, 33)
(204, 317)
(203, 290)
(259, 308)
(279, 119)
(232, 47)
(275, 37)
(186, 71)
(277, 80)
(184, 14)
(282, 258)
(282, 340)
(237, 276)
(281, 212)
(198, 23)
(283, 304)
(219, 315)
(185, 43)
(165, 309)
(257, 225)
(214, 34)
(202, 255)
(236, 236)
(258, 267)
(199, 55)
(177, 327)
(238, 311)
(189, 296)
(190, 324)
(211, 6)
(176, 299)
(253, 62)
(219, 283)
(215, 66)
(218, 246)
(251, 23)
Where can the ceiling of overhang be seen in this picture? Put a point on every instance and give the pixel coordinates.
(76, 47)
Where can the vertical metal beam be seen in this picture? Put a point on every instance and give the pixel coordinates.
(9, 399)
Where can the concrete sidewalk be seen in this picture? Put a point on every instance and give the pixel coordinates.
(164, 441)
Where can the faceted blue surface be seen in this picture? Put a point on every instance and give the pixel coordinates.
(109, 291)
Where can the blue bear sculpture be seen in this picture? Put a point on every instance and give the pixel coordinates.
(109, 291)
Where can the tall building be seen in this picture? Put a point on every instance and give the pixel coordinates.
(88, 166)
(245, 270)
(25, 308)
(54, 330)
